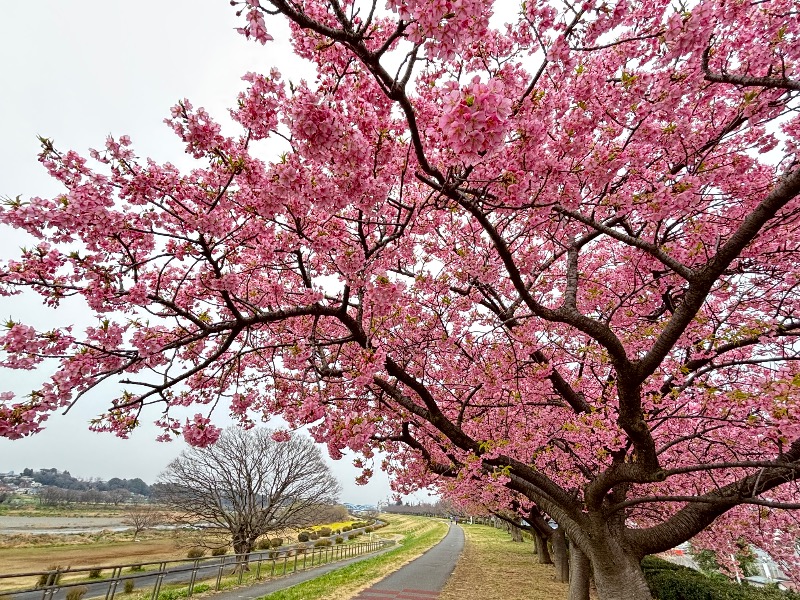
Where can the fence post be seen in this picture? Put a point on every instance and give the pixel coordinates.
(241, 563)
(193, 578)
(111, 581)
(159, 578)
(114, 584)
(219, 573)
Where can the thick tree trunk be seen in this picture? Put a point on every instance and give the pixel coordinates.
(242, 548)
(560, 559)
(618, 576)
(541, 548)
(580, 574)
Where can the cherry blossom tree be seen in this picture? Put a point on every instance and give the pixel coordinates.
(556, 257)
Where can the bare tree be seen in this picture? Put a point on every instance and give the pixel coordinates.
(249, 485)
(142, 517)
(117, 496)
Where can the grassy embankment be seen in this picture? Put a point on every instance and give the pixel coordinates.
(21, 553)
(492, 567)
(415, 535)
(27, 553)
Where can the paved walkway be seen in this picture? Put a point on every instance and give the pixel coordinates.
(421, 579)
(424, 577)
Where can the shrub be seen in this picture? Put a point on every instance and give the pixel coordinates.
(668, 581)
(368, 530)
(263, 544)
(346, 528)
(277, 542)
(51, 578)
(313, 535)
(219, 551)
(324, 531)
(129, 585)
(303, 536)
(95, 573)
(77, 593)
(196, 553)
(339, 539)
(322, 543)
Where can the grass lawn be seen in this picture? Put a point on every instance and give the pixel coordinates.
(492, 567)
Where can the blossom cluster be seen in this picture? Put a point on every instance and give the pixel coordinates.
(474, 118)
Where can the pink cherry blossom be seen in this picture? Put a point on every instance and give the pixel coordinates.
(547, 264)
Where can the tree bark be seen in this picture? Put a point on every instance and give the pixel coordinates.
(541, 548)
(516, 534)
(242, 548)
(580, 574)
(560, 558)
(619, 577)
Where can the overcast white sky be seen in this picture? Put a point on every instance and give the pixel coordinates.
(75, 71)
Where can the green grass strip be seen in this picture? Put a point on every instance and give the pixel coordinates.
(361, 572)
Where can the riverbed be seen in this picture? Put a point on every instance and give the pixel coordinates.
(59, 525)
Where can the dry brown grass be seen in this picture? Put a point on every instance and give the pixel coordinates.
(492, 567)
(91, 552)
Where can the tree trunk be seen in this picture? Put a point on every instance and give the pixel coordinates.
(580, 574)
(516, 534)
(541, 548)
(618, 576)
(242, 548)
(560, 559)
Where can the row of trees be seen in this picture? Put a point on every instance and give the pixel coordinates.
(55, 496)
(548, 267)
(63, 479)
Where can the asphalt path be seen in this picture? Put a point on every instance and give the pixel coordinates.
(424, 577)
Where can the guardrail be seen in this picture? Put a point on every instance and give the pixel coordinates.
(268, 563)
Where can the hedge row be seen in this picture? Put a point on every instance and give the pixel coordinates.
(668, 581)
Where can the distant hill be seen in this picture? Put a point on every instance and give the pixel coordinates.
(63, 480)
